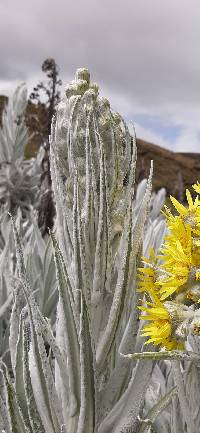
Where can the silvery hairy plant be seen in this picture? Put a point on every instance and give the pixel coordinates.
(19, 178)
(7, 273)
(40, 266)
(155, 226)
(19, 193)
(39, 261)
(14, 133)
(84, 385)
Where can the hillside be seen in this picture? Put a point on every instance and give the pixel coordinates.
(174, 171)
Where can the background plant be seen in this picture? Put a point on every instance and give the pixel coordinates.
(19, 178)
(19, 192)
(51, 95)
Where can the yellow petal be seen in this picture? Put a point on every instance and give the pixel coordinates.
(178, 206)
(189, 198)
(148, 271)
(196, 187)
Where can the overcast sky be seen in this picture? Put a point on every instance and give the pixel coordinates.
(144, 54)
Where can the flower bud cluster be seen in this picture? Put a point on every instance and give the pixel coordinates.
(171, 280)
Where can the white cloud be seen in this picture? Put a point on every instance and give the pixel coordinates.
(144, 54)
(8, 87)
(187, 141)
(150, 136)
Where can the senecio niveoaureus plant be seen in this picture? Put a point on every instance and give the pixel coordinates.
(171, 279)
(70, 376)
(82, 384)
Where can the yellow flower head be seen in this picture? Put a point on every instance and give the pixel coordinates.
(190, 214)
(180, 252)
(159, 331)
(173, 276)
(175, 268)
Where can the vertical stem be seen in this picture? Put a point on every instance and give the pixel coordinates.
(187, 415)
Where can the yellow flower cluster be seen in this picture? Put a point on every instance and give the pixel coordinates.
(173, 276)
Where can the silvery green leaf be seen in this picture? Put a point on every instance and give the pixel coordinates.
(192, 387)
(34, 417)
(16, 418)
(19, 379)
(177, 421)
(18, 304)
(42, 379)
(121, 374)
(69, 323)
(4, 419)
(6, 304)
(107, 338)
(86, 420)
(186, 412)
(157, 200)
(157, 409)
(124, 413)
(173, 355)
(14, 135)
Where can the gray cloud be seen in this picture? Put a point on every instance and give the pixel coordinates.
(144, 53)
